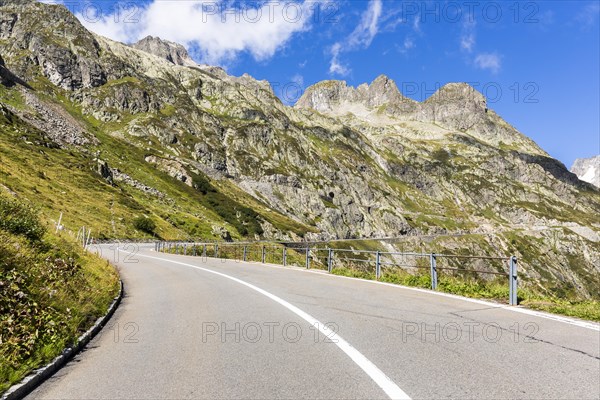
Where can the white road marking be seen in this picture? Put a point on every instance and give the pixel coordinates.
(571, 321)
(381, 379)
(540, 314)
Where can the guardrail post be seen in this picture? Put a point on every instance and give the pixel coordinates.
(263, 254)
(378, 265)
(284, 257)
(307, 257)
(330, 260)
(216, 250)
(434, 277)
(512, 276)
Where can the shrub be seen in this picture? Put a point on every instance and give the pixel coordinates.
(441, 155)
(20, 219)
(144, 224)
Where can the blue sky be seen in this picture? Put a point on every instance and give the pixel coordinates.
(537, 62)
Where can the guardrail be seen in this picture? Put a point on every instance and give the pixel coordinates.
(379, 262)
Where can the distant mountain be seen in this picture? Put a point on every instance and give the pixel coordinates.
(588, 170)
(113, 132)
(172, 52)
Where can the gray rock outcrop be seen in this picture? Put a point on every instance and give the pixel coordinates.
(588, 170)
(172, 52)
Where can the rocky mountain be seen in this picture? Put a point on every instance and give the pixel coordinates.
(172, 52)
(588, 170)
(115, 132)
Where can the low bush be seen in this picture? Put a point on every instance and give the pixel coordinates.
(144, 224)
(20, 219)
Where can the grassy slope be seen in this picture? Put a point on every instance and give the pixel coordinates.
(51, 291)
(63, 180)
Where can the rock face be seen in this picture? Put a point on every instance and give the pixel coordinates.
(337, 98)
(6, 77)
(588, 170)
(70, 62)
(104, 171)
(455, 106)
(172, 52)
(57, 123)
(344, 162)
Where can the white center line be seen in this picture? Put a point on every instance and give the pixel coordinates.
(381, 379)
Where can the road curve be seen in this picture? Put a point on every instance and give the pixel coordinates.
(199, 328)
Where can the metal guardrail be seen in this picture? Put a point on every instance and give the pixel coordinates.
(311, 257)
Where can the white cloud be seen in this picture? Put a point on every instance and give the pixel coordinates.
(468, 37)
(298, 80)
(218, 30)
(545, 19)
(489, 61)
(367, 29)
(467, 42)
(417, 24)
(407, 45)
(588, 15)
(335, 66)
(361, 37)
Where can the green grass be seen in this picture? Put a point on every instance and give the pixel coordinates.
(586, 309)
(489, 290)
(51, 292)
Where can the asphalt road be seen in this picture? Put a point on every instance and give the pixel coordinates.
(204, 328)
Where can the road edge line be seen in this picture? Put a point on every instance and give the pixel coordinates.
(385, 383)
(40, 375)
(518, 309)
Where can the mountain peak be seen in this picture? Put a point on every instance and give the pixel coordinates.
(333, 95)
(170, 51)
(458, 92)
(382, 90)
(588, 170)
(324, 96)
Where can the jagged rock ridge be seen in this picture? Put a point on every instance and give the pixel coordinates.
(172, 52)
(588, 170)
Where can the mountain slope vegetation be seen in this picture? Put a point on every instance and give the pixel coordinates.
(51, 291)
